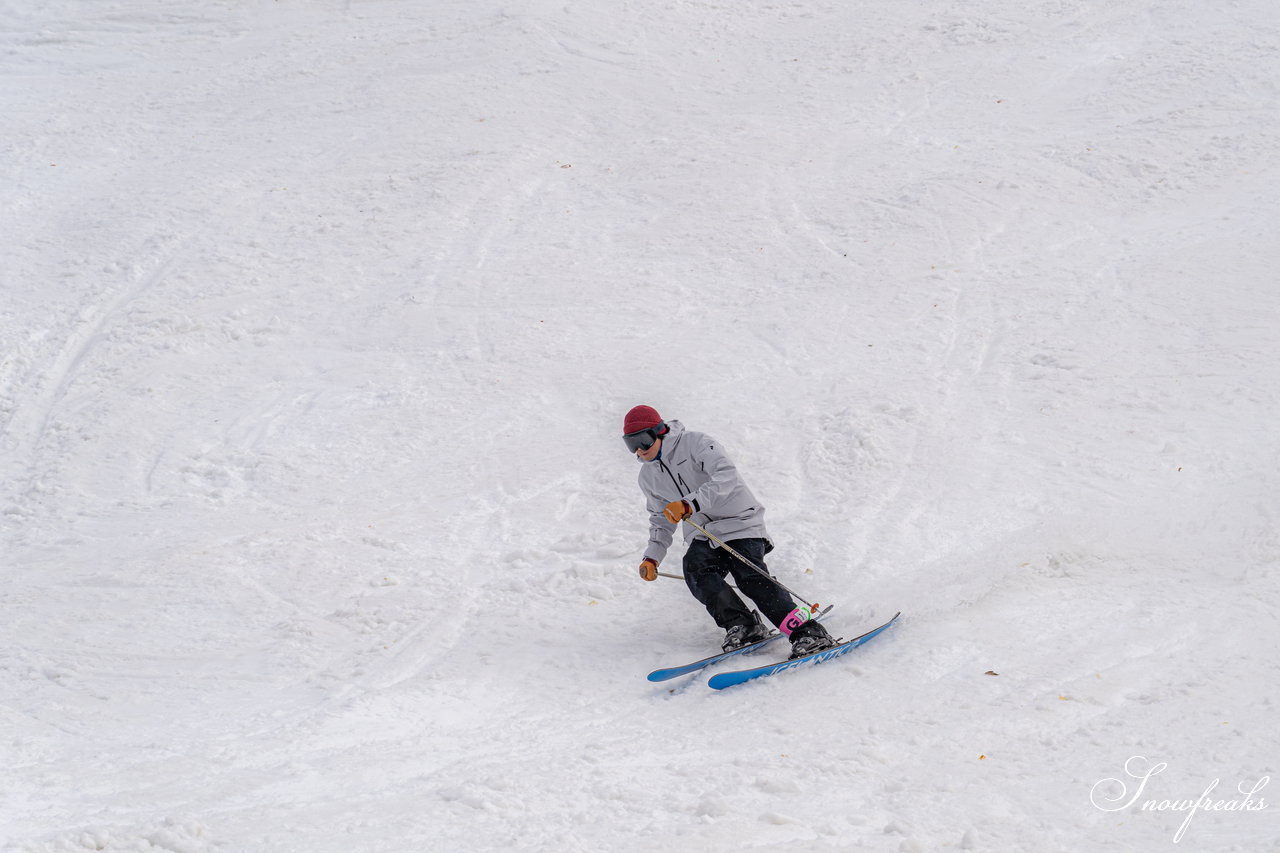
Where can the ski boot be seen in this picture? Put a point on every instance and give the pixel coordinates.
(744, 635)
(809, 638)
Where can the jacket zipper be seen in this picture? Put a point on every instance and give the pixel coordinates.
(676, 483)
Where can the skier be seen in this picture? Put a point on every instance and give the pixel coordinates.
(686, 474)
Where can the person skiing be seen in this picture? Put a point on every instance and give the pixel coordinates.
(687, 475)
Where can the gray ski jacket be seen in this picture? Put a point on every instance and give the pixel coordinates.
(693, 467)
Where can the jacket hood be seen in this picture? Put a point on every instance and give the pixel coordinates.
(675, 430)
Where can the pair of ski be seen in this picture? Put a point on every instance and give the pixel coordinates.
(721, 680)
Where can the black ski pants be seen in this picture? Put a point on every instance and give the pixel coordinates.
(705, 568)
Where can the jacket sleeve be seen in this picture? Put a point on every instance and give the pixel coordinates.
(661, 531)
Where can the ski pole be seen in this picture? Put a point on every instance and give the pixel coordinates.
(813, 608)
(681, 577)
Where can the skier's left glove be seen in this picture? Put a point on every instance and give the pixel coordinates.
(677, 510)
(648, 569)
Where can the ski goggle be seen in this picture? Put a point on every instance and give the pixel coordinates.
(643, 439)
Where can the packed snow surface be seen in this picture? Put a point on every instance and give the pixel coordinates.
(319, 321)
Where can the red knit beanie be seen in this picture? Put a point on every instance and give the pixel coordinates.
(641, 417)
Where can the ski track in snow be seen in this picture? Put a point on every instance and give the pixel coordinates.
(318, 321)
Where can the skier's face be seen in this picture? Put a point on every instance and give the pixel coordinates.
(652, 453)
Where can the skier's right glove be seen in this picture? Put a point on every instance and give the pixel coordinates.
(648, 569)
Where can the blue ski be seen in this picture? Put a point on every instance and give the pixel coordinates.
(721, 680)
(677, 671)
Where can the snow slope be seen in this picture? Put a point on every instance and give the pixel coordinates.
(319, 320)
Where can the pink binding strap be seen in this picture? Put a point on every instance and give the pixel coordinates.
(795, 619)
